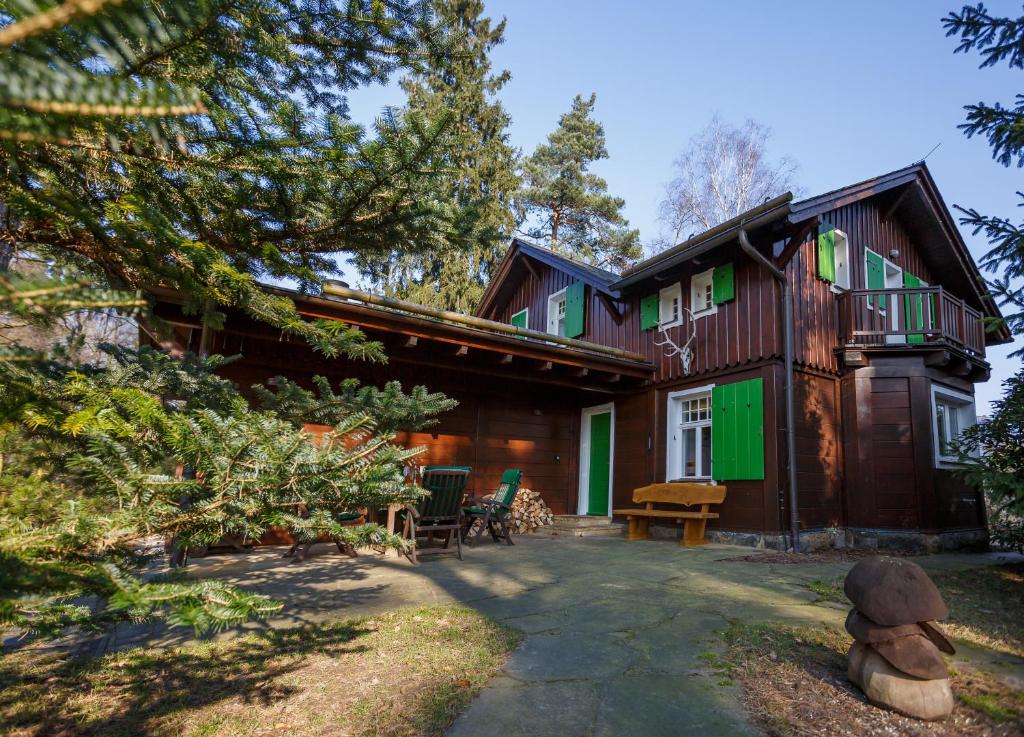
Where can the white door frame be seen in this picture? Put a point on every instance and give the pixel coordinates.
(893, 273)
(586, 414)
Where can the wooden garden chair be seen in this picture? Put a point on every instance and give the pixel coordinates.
(344, 517)
(493, 514)
(441, 511)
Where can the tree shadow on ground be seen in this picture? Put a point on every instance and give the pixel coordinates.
(149, 686)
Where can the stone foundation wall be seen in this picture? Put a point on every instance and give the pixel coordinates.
(903, 541)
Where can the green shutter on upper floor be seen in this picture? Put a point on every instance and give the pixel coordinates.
(875, 274)
(575, 308)
(737, 431)
(827, 253)
(723, 284)
(649, 308)
(913, 308)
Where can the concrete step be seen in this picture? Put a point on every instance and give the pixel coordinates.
(582, 520)
(575, 525)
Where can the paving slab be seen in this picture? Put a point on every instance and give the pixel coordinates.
(617, 632)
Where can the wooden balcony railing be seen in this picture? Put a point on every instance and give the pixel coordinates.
(924, 316)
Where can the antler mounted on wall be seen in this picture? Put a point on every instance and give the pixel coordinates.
(684, 352)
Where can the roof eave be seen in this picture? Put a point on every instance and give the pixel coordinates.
(764, 214)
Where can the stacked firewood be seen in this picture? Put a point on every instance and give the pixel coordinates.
(529, 512)
(896, 657)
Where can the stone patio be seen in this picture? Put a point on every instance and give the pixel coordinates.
(615, 629)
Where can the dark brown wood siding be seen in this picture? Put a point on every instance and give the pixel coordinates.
(889, 457)
(497, 425)
(742, 331)
(814, 310)
(818, 451)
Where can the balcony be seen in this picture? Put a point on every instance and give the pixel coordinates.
(909, 318)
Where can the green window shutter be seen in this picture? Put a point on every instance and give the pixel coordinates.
(574, 310)
(913, 308)
(519, 319)
(723, 285)
(875, 273)
(827, 253)
(649, 309)
(737, 431)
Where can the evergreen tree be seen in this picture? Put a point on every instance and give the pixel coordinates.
(480, 163)
(992, 452)
(211, 146)
(196, 146)
(571, 207)
(997, 39)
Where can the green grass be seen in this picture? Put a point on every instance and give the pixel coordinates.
(828, 590)
(990, 706)
(403, 673)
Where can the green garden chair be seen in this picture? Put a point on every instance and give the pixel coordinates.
(440, 511)
(493, 514)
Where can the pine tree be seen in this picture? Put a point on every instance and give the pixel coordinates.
(574, 213)
(196, 146)
(992, 453)
(997, 39)
(212, 146)
(480, 165)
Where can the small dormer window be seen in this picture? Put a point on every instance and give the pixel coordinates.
(670, 306)
(702, 295)
(556, 313)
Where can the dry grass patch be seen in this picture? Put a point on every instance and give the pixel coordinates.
(403, 673)
(794, 683)
(985, 606)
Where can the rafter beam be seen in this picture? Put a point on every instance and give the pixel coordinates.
(891, 210)
(531, 268)
(796, 240)
(609, 304)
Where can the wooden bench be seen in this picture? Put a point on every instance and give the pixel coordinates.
(684, 494)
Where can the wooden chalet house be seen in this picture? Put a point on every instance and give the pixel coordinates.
(596, 383)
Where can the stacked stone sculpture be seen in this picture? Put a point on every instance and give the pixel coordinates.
(896, 658)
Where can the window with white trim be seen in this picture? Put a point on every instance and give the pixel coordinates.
(842, 255)
(702, 300)
(689, 436)
(556, 313)
(670, 306)
(952, 413)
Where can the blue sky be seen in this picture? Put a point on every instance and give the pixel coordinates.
(850, 90)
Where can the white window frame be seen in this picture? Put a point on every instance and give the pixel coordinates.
(702, 281)
(963, 405)
(842, 261)
(665, 297)
(673, 455)
(524, 311)
(554, 300)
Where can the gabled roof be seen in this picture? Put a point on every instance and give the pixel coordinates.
(910, 190)
(913, 191)
(764, 214)
(599, 279)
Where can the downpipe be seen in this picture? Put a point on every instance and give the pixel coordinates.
(787, 351)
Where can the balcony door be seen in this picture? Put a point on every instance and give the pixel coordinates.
(894, 280)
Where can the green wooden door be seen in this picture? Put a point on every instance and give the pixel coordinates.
(599, 463)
